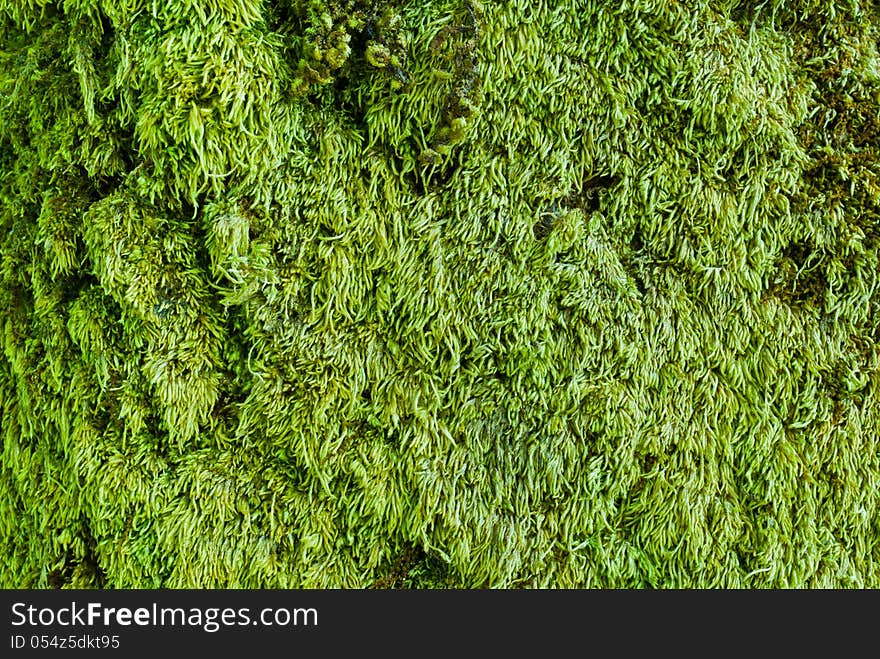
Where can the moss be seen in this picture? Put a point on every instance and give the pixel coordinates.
(439, 294)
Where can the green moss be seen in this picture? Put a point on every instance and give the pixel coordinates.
(440, 294)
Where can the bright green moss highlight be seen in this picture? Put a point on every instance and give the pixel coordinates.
(440, 294)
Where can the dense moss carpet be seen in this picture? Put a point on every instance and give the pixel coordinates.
(440, 294)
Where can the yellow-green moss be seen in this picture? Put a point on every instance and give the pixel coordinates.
(439, 294)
